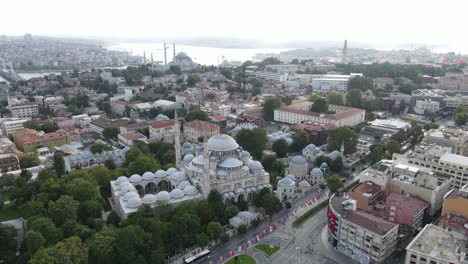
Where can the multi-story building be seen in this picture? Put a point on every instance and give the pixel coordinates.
(98, 125)
(126, 139)
(380, 173)
(328, 83)
(12, 125)
(386, 126)
(272, 76)
(162, 130)
(456, 202)
(9, 162)
(197, 129)
(455, 138)
(447, 99)
(405, 210)
(121, 108)
(426, 107)
(29, 139)
(454, 82)
(436, 245)
(366, 195)
(367, 238)
(299, 112)
(285, 68)
(24, 110)
(87, 160)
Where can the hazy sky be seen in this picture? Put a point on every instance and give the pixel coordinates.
(396, 21)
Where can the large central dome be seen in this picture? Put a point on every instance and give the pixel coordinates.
(222, 142)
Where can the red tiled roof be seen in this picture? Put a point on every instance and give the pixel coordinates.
(30, 136)
(370, 222)
(162, 123)
(218, 117)
(132, 135)
(367, 187)
(198, 124)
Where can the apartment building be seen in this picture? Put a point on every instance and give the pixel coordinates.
(163, 130)
(299, 112)
(9, 162)
(98, 125)
(367, 238)
(29, 139)
(455, 138)
(197, 129)
(453, 82)
(12, 125)
(426, 107)
(405, 210)
(366, 195)
(456, 202)
(272, 76)
(24, 110)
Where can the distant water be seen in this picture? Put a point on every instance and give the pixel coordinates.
(29, 75)
(202, 55)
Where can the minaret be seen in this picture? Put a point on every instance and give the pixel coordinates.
(177, 139)
(144, 57)
(342, 149)
(206, 158)
(345, 51)
(173, 51)
(205, 181)
(165, 54)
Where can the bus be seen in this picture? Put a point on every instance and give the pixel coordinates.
(201, 255)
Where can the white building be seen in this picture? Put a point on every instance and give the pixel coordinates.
(242, 218)
(165, 104)
(126, 139)
(87, 160)
(272, 76)
(426, 106)
(298, 167)
(24, 110)
(162, 130)
(286, 188)
(316, 176)
(12, 125)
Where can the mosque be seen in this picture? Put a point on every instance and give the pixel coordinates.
(218, 164)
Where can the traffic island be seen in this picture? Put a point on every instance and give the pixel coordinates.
(268, 249)
(244, 259)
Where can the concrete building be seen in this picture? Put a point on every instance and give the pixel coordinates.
(9, 162)
(284, 68)
(380, 173)
(24, 110)
(299, 112)
(12, 125)
(197, 129)
(366, 194)
(455, 138)
(285, 190)
(119, 107)
(87, 160)
(453, 82)
(29, 139)
(327, 83)
(126, 139)
(367, 238)
(163, 130)
(272, 76)
(426, 107)
(386, 126)
(405, 210)
(435, 245)
(98, 125)
(165, 104)
(456, 202)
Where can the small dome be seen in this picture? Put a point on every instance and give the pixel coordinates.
(231, 163)
(255, 165)
(188, 157)
(125, 188)
(171, 170)
(222, 142)
(311, 147)
(177, 193)
(292, 177)
(183, 184)
(147, 176)
(304, 184)
(316, 172)
(212, 173)
(187, 145)
(129, 196)
(334, 154)
(148, 199)
(120, 180)
(190, 190)
(286, 182)
(163, 196)
(324, 165)
(160, 174)
(298, 160)
(135, 178)
(179, 176)
(134, 202)
(161, 117)
(199, 160)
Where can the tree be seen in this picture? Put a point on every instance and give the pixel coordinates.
(29, 160)
(460, 115)
(336, 165)
(70, 250)
(81, 189)
(46, 227)
(231, 211)
(202, 240)
(321, 159)
(192, 79)
(342, 136)
(90, 209)
(34, 241)
(175, 69)
(214, 230)
(132, 155)
(59, 164)
(143, 164)
(242, 229)
(402, 106)
(197, 114)
(300, 141)
(354, 98)
(215, 200)
(97, 147)
(361, 83)
(101, 174)
(63, 209)
(431, 125)
(393, 146)
(253, 140)
(269, 108)
(376, 153)
(271, 203)
(110, 132)
(334, 183)
(32, 125)
(335, 99)
(320, 105)
(287, 100)
(280, 147)
(110, 164)
(7, 243)
(49, 127)
(101, 247)
(113, 218)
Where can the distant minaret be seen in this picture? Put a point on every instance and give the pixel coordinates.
(165, 53)
(177, 139)
(152, 58)
(205, 181)
(4, 66)
(345, 51)
(173, 51)
(342, 149)
(144, 57)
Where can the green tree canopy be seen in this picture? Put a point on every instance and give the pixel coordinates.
(143, 164)
(300, 141)
(110, 132)
(342, 135)
(59, 164)
(253, 140)
(29, 160)
(7, 243)
(34, 241)
(393, 146)
(320, 105)
(335, 98)
(354, 98)
(361, 83)
(334, 183)
(336, 165)
(377, 153)
(63, 209)
(280, 147)
(269, 108)
(70, 250)
(214, 229)
(97, 147)
(197, 114)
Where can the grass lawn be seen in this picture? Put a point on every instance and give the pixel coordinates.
(5, 196)
(267, 249)
(244, 259)
(9, 212)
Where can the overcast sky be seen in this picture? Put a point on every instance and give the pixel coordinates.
(376, 21)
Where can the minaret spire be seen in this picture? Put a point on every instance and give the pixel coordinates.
(177, 139)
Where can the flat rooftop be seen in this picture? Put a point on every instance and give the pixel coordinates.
(454, 159)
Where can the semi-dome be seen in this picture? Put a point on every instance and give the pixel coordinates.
(334, 154)
(135, 178)
(231, 163)
(316, 172)
(129, 196)
(222, 142)
(199, 160)
(187, 145)
(163, 196)
(188, 157)
(120, 180)
(179, 176)
(190, 190)
(255, 165)
(160, 174)
(304, 184)
(148, 199)
(311, 147)
(292, 177)
(171, 170)
(324, 165)
(298, 160)
(177, 193)
(147, 176)
(183, 184)
(286, 182)
(134, 202)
